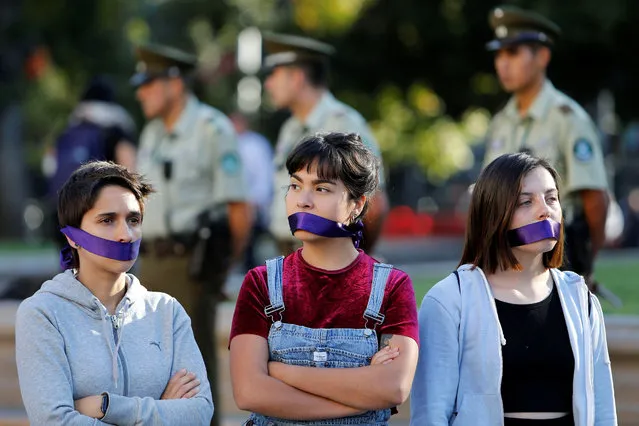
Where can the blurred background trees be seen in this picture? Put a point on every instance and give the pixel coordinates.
(417, 70)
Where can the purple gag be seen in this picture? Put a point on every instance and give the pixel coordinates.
(106, 248)
(325, 227)
(534, 232)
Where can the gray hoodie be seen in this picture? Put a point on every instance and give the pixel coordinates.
(69, 347)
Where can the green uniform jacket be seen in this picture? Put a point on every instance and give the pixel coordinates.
(200, 157)
(557, 129)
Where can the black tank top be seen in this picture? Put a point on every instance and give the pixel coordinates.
(537, 358)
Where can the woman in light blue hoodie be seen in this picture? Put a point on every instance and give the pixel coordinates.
(508, 339)
(93, 346)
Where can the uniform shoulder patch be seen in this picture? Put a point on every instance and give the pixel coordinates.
(582, 150)
(565, 108)
(230, 162)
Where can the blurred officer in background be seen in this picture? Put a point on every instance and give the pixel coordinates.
(297, 80)
(543, 121)
(199, 221)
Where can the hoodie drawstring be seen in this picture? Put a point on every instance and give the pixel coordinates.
(493, 305)
(116, 322)
(105, 333)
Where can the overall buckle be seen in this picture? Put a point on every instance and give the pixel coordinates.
(270, 310)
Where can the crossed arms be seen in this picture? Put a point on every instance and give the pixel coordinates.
(308, 393)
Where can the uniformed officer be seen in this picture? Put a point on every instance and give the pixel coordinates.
(297, 80)
(545, 122)
(199, 219)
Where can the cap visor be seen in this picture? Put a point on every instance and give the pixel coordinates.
(496, 44)
(519, 39)
(265, 70)
(269, 68)
(140, 78)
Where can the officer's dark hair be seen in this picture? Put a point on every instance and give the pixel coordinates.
(491, 210)
(79, 193)
(316, 72)
(340, 156)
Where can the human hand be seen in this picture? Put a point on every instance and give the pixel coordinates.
(89, 406)
(183, 384)
(385, 355)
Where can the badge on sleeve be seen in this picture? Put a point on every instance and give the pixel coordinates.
(582, 149)
(230, 163)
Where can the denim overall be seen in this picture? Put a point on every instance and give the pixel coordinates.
(324, 347)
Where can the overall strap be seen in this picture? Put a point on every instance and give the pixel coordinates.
(381, 272)
(274, 281)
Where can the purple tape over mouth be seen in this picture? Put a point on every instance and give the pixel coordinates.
(325, 227)
(534, 232)
(106, 248)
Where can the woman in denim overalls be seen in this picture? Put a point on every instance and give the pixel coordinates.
(305, 341)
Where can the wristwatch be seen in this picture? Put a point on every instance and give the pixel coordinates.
(105, 404)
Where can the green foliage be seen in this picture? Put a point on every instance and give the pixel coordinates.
(417, 70)
(328, 16)
(411, 127)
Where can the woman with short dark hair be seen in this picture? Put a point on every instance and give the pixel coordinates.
(93, 346)
(327, 335)
(508, 339)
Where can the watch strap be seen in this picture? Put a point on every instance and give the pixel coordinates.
(105, 403)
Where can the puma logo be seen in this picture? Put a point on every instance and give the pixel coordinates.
(152, 343)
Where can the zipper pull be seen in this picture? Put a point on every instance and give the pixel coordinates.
(115, 321)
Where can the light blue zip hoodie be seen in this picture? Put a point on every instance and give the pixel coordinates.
(458, 378)
(69, 347)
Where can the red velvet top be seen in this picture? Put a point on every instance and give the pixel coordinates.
(318, 298)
